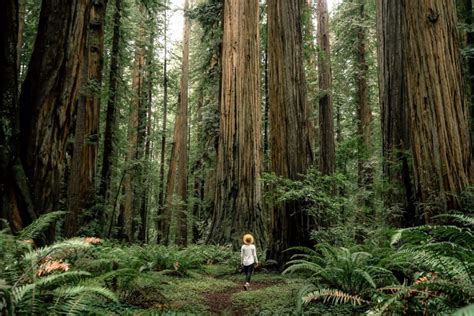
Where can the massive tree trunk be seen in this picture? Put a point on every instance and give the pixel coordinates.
(162, 224)
(114, 76)
(237, 203)
(48, 98)
(84, 161)
(439, 129)
(8, 114)
(290, 145)
(177, 187)
(364, 113)
(469, 20)
(327, 148)
(395, 115)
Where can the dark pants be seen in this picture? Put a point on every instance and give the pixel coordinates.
(248, 272)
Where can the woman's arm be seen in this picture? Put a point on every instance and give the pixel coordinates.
(255, 254)
(242, 255)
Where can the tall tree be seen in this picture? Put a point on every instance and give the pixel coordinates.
(327, 148)
(9, 23)
(469, 20)
(364, 113)
(114, 76)
(290, 145)
(48, 98)
(132, 178)
(177, 184)
(440, 133)
(395, 114)
(81, 186)
(237, 204)
(162, 225)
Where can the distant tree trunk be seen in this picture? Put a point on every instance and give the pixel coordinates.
(21, 29)
(143, 232)
(395, 114)
(48, 97)
(440, 133)
(177, 186)
(84, 160)
(364, 113)
(162, 225)
(327, 148)
(114, 76)
(135, 138)
(237, 203)
(290, 144)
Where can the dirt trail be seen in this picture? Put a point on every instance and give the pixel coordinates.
(220, 302)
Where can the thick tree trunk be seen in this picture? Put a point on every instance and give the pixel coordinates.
(237, 203)
(177, 187)
(84, 161)
(114, 76)
(327, 148)
(439, 131)
(9, 23)
(395, 114)
(290, 144)
(364, 113)
(469, 20)
(48, 98)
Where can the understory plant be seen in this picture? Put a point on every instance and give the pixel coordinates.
(339, 275)
(44, 280)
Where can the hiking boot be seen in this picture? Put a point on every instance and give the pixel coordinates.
(246, 286)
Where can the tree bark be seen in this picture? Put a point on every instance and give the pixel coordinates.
(162, 225)
(469, 20)
(364, 113)
(48, 98)
(81, 186)
(290, 144)
(114, 74)
(237, 203)
(327, 148)
(439, 131)
(395, 114)
(177, 188)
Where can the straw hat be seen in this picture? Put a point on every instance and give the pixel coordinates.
(248, 239)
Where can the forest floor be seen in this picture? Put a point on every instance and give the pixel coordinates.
(217, 290)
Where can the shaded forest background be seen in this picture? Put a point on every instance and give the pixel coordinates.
(274, 118)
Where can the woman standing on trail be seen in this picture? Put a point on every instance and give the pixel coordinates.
(248, 258)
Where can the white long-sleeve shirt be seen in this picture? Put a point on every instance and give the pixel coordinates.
(248, 255)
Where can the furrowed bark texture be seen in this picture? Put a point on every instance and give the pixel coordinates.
(327, 148)
(439, 130)
(81, 188)
(48, 99)
(290, 145)
(395, 114)
(237, 203)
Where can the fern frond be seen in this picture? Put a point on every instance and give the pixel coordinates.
(465, 311)
(302, 265)
(38, 226)
(61, 278)
(334, 296)
(58, 250)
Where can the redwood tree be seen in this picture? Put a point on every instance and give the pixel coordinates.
(439, 130)
(290, 145)
(327, 148)
(237, 203)
(48, 98)
(81, 186)
(177, 184)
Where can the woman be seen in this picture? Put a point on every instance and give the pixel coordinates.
(248, 257)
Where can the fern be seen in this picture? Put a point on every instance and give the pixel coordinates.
(334, 296)
(465, 311)
(38, 226)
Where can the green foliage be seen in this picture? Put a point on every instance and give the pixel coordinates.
(437, 264)
(44, 280)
